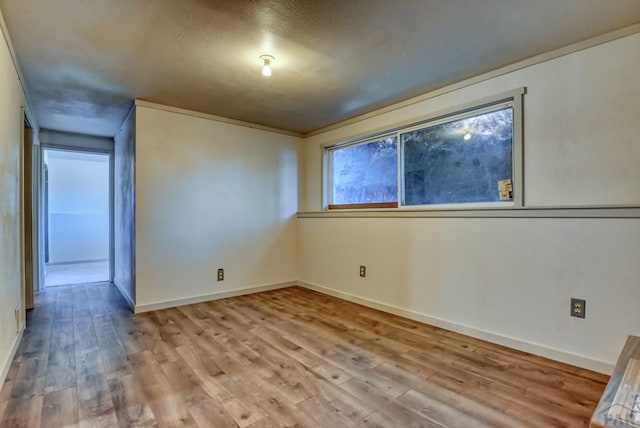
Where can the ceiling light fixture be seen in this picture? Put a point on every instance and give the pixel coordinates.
(467, 136)
(266, 64)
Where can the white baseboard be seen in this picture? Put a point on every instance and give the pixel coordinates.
(213, 296)
(125, 295)
(6, 364)
(511, 342)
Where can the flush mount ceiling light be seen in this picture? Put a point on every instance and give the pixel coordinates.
(266, 64)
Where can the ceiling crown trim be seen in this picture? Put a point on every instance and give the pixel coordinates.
(538, 59)
(192, 113)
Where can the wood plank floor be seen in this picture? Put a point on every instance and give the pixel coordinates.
(290, 357)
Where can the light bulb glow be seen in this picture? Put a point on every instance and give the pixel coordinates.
(266, 64)
(467, 136)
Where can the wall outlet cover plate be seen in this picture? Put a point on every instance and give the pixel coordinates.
(578, 307)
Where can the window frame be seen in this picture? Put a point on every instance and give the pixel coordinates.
(513, 98)
(448, 119)
(329, 182)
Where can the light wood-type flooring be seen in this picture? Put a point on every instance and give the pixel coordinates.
(287, 358)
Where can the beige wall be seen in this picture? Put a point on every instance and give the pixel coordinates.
(511, 279)
(211, 195)
(11, 122)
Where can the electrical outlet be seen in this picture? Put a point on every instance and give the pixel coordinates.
(578, 307)
(220, 274)
(363, 271)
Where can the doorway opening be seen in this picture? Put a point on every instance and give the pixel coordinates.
(77, 217)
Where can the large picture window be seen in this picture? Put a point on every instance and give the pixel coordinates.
(467, 157)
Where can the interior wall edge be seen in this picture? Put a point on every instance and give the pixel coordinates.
(124, 209)
(126, 297)
(6, 365)
(583, 361)
(154, 306)
(123, 125)
(214, 118)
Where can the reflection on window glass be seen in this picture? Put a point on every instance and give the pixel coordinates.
(463, 161)
(365, 173)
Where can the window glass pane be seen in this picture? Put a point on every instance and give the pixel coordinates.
(365, 173)
(463, 161)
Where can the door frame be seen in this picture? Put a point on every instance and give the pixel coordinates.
(29, 205)
(77, 147)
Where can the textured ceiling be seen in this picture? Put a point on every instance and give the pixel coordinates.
(84, 61)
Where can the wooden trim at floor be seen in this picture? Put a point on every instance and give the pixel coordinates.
(154, 306)
(578, 360)
(4, 371)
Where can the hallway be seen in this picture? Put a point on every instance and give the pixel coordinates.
(76, 273)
